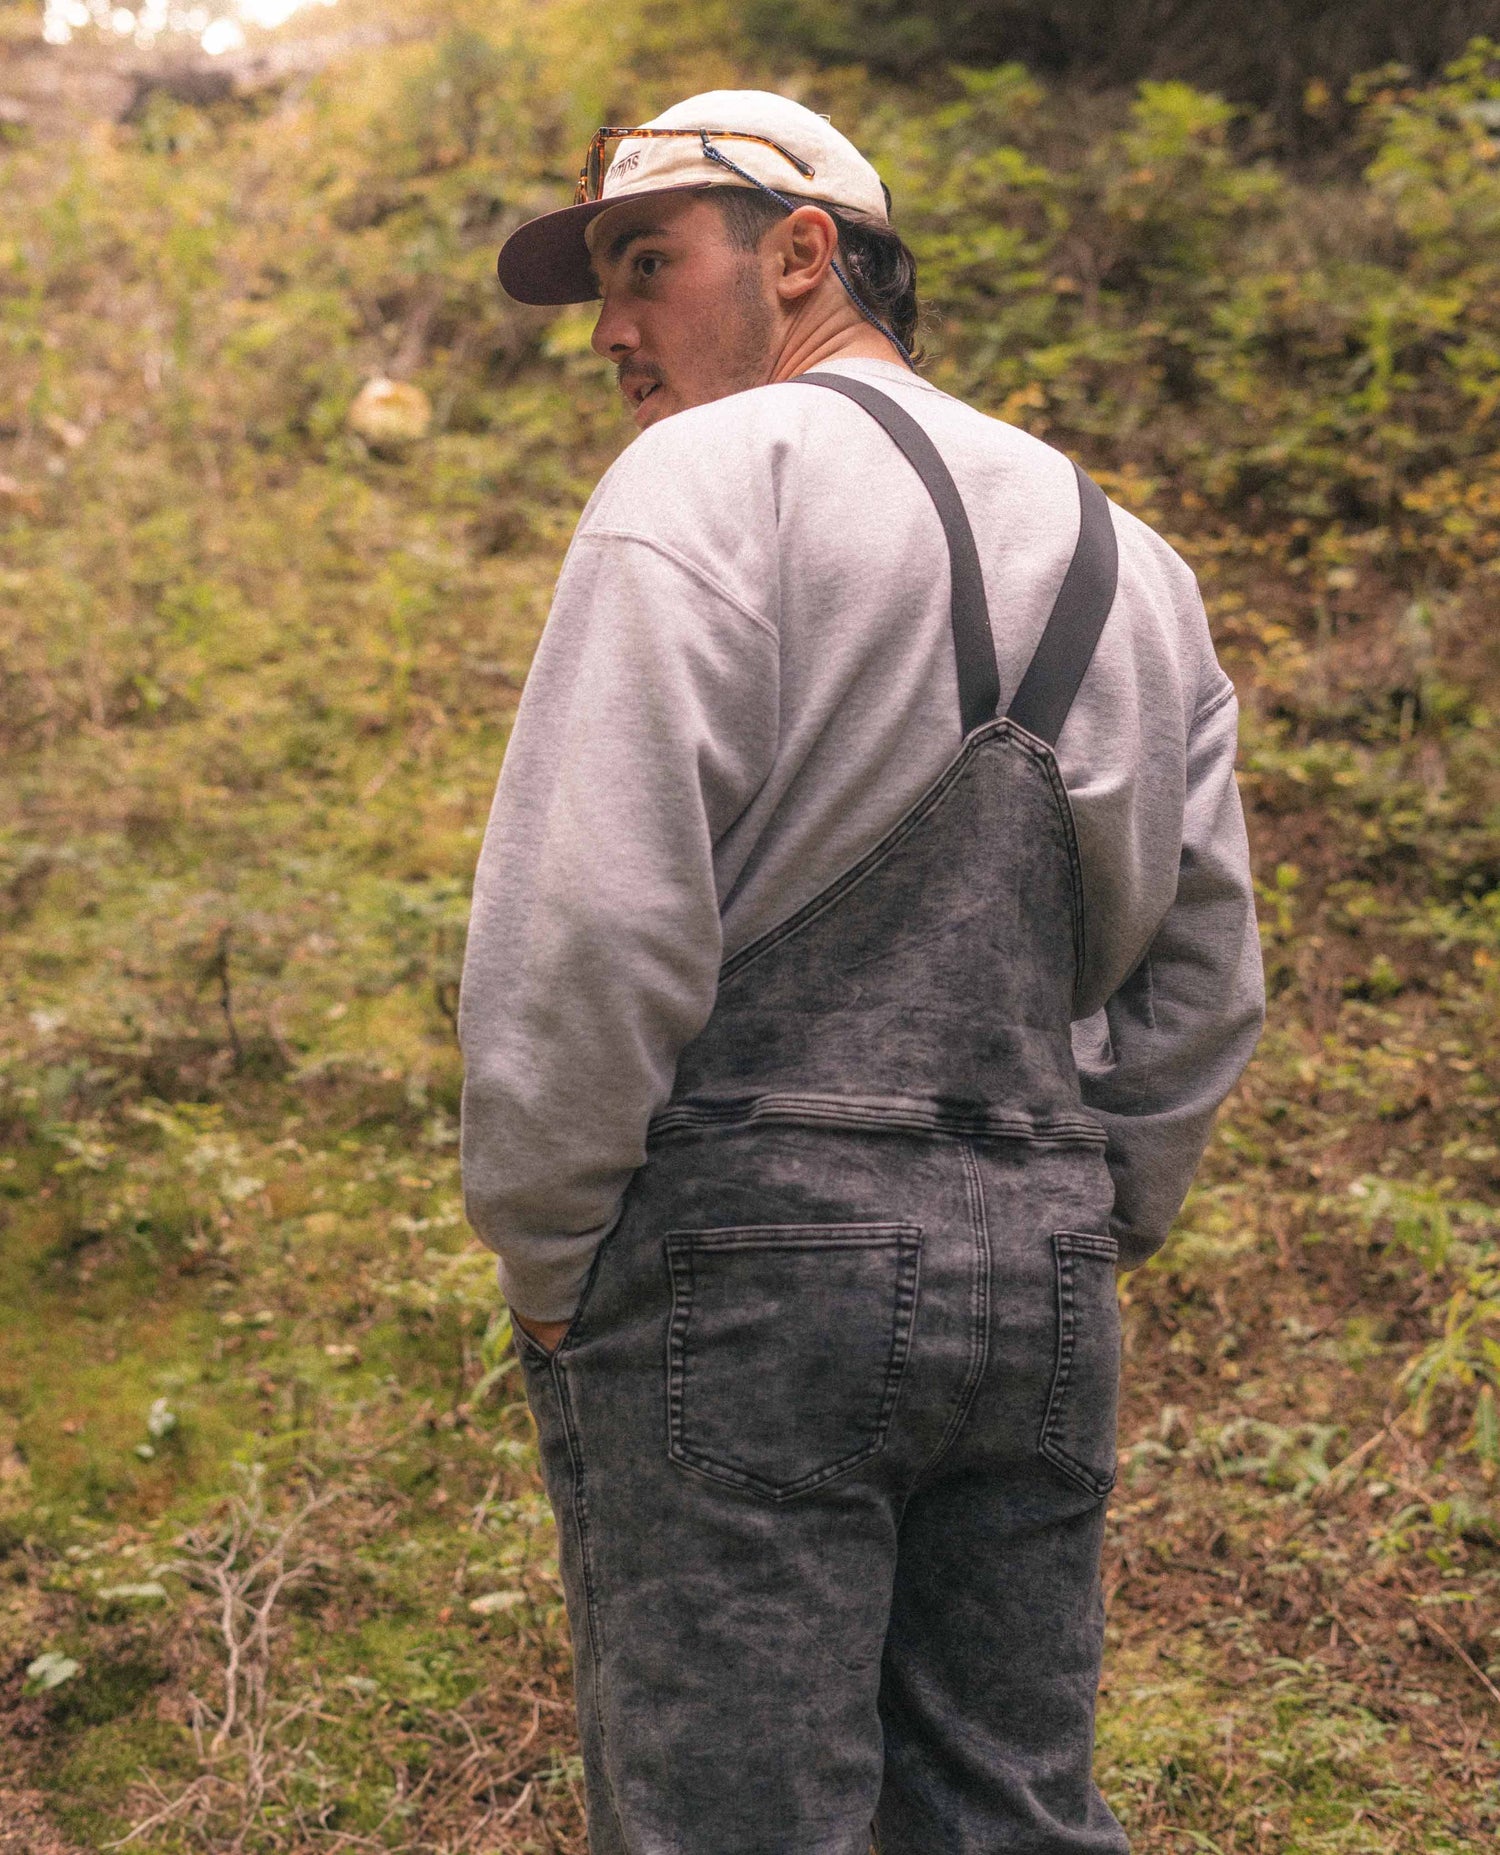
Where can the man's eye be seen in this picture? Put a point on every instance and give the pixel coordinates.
(648, 264)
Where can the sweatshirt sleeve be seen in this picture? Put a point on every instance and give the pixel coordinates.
(648, 722)
(1167, 1048)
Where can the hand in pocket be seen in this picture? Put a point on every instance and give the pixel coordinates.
(548, 1334)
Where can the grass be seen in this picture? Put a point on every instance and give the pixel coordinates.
(258, 677)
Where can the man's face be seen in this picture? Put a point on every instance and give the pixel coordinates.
(687, 317)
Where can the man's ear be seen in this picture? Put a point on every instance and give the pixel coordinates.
(807, 243)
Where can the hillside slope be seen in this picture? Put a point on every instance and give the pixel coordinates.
(255, 681)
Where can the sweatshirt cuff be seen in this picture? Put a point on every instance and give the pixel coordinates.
(538, 1293)
(545, 1278)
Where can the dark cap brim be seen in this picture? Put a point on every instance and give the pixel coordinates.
(547, 259)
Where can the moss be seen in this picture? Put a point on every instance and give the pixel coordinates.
(259, 681)
(87, 1778)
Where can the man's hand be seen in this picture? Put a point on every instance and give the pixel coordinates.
(547, 1333)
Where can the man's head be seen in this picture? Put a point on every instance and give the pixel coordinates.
(713, 278)
(708, 293)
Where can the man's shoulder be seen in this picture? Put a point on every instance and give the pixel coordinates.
(665, 480)
(710, 485)
(699, 449)
(745, 451)
(729, 485)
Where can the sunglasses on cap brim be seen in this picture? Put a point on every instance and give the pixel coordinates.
(591, 176)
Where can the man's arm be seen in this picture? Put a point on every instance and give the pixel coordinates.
(1159, 1059)
(648, 723)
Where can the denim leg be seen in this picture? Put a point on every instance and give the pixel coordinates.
(722, 1435)
(992, 1659)
(991, 1669)
(828, 1445)
(562, 1471)
(727, 1648)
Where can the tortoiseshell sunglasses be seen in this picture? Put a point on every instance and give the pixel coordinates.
(591, 178)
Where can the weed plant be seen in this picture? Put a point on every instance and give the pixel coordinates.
(275, 1569)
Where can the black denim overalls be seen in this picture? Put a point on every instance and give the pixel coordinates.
(830, 1437)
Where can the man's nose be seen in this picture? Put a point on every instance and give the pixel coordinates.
(615, 335)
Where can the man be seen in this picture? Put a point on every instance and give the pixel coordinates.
(861, 945)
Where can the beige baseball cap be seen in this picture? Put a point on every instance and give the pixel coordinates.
(772, 141)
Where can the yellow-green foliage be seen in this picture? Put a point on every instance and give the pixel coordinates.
(255, 679)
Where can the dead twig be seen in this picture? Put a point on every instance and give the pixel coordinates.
(246, 1564)
(219, 969)
(1451, 1642)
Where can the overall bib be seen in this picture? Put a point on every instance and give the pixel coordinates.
(830, 1438)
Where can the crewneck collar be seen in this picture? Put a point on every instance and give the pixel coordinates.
(894, 372)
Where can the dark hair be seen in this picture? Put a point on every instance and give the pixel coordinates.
(876, 259)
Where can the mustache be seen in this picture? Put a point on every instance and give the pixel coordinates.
(632, 373)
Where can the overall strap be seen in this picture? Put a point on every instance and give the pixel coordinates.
(1083, 601)
(973, 641)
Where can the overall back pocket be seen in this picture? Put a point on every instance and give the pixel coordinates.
(1078, 1435)
(787, 1347)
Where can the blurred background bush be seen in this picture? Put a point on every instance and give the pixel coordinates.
(284, 484)
(1267, 56)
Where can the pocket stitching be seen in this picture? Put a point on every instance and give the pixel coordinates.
(681, 1247)
(1065, 1245)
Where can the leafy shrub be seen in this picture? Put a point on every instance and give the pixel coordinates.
(1290, 58)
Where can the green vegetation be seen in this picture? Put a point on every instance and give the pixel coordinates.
(275, 1571)
(1290, 59)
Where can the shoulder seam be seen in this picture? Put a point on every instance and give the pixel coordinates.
(687, 566)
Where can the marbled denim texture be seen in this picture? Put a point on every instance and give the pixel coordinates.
(830, 1436)
(931, 987)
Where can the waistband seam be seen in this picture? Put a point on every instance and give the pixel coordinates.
(690, 1117)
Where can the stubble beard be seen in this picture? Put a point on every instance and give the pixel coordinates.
(749, 333)
(742, 355)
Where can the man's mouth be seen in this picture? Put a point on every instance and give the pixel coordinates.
(638, 387)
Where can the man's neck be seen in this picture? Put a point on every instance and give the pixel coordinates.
(836, 337)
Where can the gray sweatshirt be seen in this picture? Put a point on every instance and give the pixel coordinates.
(746, 679)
